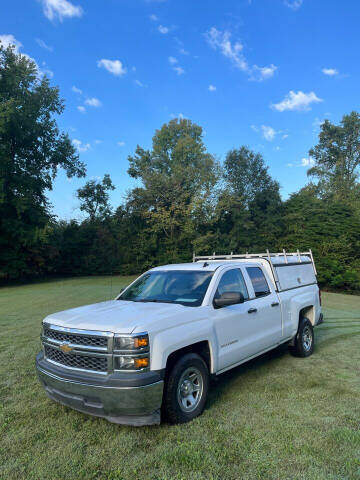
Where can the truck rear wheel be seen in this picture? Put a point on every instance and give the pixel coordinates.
(304, 340)
(186, 389)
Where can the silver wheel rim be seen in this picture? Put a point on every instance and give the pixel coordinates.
(307, 338)
(190, 389)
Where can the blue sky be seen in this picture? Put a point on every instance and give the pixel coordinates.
(263, 73)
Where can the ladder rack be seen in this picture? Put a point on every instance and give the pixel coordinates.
(270, 257)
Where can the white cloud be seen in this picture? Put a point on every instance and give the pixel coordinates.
(93, 102)
(221, 41)
(330, 71)
(153, 18)
(234, 52)
(262, 73)
(182, 51)
(212, 88)
(81, 147)
(269, 133)
(9, 39)
(305, 162)
(76, 90)
(44, 45)
(181, 116)
(121, 144)
(317, 125)
(299, 101)
(294, 4)
(163, 30)
(139, 84)
(179, 70)
(44, 70)
(284, 136)
(172, 60)
(60, 9)
(113, 66)
(98, 142)
(81, 108)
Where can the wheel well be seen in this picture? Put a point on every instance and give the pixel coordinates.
(201, 348)
(308, 312)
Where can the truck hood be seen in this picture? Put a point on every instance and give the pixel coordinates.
(118, 316)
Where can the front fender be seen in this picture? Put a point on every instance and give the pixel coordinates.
(168, 341)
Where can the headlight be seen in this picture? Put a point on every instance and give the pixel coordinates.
(131, 362)
(131, 352)
(135, 342)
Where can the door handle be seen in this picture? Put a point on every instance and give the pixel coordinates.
(252, 310)
(275, 304)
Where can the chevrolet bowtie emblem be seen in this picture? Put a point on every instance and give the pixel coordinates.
(65, 347)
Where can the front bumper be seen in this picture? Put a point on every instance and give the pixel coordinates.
(131, 402)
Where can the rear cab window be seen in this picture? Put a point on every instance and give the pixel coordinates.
(258, 280)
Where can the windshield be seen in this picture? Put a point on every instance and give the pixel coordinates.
(172, 286)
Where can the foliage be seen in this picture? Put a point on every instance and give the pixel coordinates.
(31, 151)
(177, 175)
(332, 229)
(94, 197)
(337, 157)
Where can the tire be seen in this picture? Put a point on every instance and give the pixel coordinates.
(304, 340)
(186, 389)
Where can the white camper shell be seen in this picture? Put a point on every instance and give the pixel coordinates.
(286, 270)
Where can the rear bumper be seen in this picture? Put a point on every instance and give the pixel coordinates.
(320, 320)
(131, 405)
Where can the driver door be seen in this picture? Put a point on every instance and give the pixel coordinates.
(231, 321)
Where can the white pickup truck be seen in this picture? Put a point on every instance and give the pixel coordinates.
(153, 349)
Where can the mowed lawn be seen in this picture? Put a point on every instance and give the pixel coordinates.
(276, 417)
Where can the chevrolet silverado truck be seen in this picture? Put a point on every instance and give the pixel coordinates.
(150, 353)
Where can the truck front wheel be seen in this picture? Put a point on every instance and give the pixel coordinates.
(303, 343)
(186, 389)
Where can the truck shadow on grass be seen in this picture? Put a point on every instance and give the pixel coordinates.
(326, 336)
(221, 384)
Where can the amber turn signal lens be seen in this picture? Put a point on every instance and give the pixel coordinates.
(141, 342)
(141, 362)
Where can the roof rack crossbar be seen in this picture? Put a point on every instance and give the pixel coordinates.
(267, 255)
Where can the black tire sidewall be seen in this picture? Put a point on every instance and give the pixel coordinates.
(171, 408)
(304, 322)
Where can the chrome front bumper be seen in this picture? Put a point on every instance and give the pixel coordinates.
(129, 405)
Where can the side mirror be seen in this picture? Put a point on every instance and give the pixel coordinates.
(228, 298)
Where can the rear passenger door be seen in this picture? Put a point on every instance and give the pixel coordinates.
(263, 311)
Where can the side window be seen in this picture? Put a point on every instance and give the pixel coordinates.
(258, 280)
(232, 281)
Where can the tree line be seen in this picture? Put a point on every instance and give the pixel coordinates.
(186, 201)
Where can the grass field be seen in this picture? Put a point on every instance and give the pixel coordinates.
(277, 417)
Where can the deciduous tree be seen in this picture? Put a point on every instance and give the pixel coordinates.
(32, 149)
(337, 158)
(94, 197)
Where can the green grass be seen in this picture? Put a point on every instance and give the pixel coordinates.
(277, 417)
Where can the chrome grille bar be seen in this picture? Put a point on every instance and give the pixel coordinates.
(89, 350)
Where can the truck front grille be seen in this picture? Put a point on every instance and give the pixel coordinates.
(86, 340)
(89, 349)
(75, 360)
